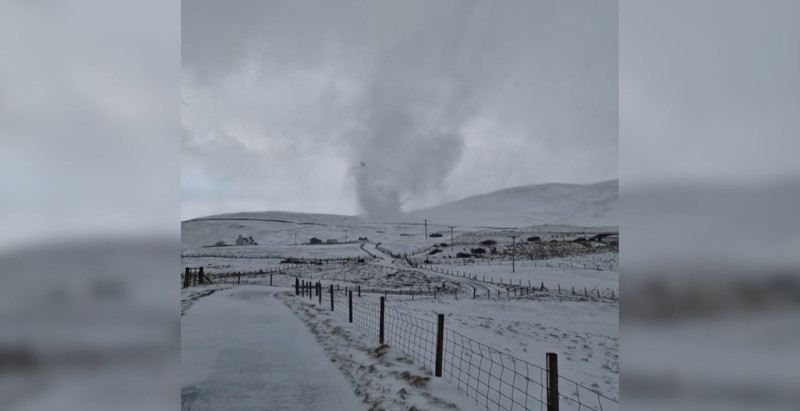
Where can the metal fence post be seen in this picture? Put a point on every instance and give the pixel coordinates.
(552, 382)
(439, 344)
(381, 328)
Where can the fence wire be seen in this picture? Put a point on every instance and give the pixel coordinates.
(415, 337)
(493, 379)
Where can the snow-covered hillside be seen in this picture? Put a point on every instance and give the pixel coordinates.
(593, 205)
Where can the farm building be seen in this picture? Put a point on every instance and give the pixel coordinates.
(315, 240)
(245, 240)
(332, 241)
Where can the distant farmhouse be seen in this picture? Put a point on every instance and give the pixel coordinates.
(315, 240)
(332, 241)
(245, 240)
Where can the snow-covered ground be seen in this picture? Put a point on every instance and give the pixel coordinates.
(231, 323)
(564, 279)
(585, 334)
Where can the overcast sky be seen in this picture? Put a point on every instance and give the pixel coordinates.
(353, 106)
(709, 91)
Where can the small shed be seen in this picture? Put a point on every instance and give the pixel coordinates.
(315, 240)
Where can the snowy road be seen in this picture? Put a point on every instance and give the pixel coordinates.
(243, 349)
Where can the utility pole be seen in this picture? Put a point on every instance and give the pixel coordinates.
(451, 236)
(426, 231)
(513, 251)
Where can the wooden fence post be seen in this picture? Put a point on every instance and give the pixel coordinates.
(270, 280)
(319, 292)
(331, 297)
(350, 305)
(186, 274)
(200, 276)
(439, 344)
(381, 328)
(552, 382)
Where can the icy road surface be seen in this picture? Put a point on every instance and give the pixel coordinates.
(242, 349)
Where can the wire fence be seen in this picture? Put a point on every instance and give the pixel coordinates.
(493, 379)
(522, 289)
(597, 262)
(592, 290)
(195, 276)
(497, 380)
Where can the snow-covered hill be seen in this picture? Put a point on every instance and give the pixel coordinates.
(573, 205)
(591, 205)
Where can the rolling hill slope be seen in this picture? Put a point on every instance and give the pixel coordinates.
(591, 205)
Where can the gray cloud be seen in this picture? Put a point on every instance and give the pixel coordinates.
(440, 99)
(86, 120)
(709, 91)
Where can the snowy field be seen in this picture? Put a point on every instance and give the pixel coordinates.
(585, 334)
(226, 327)
(565, 279)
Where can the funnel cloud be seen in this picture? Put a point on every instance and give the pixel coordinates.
(416, 107)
